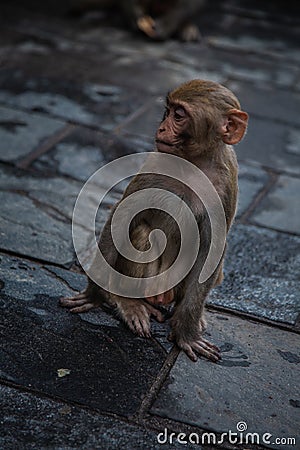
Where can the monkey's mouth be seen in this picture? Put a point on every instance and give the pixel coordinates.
(161, 145)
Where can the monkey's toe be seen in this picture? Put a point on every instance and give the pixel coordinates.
(72, 301)
(78, 304)
(138, 319)
(65, 301)
(141, 327)
(190, 33)
(155, 313)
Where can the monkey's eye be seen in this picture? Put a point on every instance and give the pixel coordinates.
(179, 113)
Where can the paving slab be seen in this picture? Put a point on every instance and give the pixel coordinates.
(103, 106)
(22, 132)
(276, 104)
(37, 210)
(77, 282)
(84, 151)
(146, 123)
(149, 66)
(251, 181)
(268, 144)
(30, 231)
(109, 368)
(35, 214)
(261, 274)
(32, 422)
(279, 209)
(256, 384)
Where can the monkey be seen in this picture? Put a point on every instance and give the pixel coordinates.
(160, 20)
(201, 123)
(157, 19)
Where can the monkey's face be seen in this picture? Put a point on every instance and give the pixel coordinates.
(200, 117)
(173, 132)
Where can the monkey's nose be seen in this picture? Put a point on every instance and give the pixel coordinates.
(160, 299)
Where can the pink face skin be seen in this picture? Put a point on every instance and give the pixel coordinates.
(161, 299)
(174, 123)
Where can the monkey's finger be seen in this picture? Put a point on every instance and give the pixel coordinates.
(209, 347)
(157, 314)
(189, 351)
(141, 323)
(72, 303)
(76, 297)
(142, 328)
(209, 344)
(81, 309)
(206, 353)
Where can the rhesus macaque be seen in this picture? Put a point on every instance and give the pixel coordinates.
(161, 19)
(202, 121)
(158, 19)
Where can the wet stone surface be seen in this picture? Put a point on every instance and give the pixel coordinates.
(84, 151)
(78, 282)
(31, 422)
(77, 92)
(97, 105)
(265, 144)
(38, 338)
(36, 214)
(22, 132)
(43, 238)
(280, 207)
(275, 104)
(258, 367)
(251, 182)
(261, 274)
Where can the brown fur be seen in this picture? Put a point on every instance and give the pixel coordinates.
(201, 122)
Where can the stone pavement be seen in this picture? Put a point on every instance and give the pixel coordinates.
(76, 93)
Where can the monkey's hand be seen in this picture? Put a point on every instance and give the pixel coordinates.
(199, 346)
(80, 303)
(136, 314)
(147, 25)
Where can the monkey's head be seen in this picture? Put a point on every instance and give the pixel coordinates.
(200, 116)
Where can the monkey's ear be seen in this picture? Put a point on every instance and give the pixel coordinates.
(234, 127)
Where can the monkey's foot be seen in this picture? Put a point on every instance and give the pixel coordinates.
(79, 303)
(136, 315)
(200, 347)
(190, 33)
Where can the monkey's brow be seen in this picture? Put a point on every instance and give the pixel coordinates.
(174, 104)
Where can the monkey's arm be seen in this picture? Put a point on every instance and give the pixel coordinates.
(136, 312)
(188, 323)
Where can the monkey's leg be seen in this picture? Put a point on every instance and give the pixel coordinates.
(188, 322)
(220, 276)
(94, 296)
